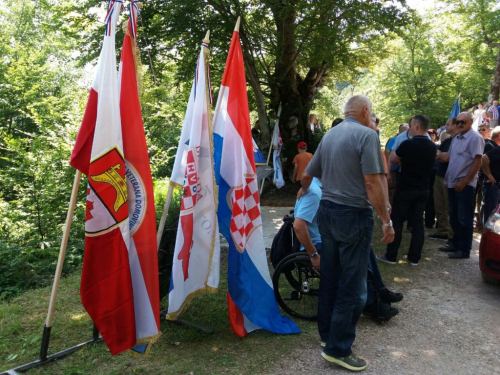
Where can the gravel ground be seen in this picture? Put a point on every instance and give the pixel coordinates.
(449, 321)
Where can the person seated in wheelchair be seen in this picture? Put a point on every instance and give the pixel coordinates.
(305, 225)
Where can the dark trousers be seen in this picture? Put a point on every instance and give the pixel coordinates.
(491, 198)
(346, 234)
(377, 283)
(461, 210)
(411, 204)
(430, 212)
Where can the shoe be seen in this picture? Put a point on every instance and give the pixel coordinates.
(447, 248)
(436, 236)
(383, 311)
(323, 344)
(383, 258)
(390, 297)
(459, 255)
(351, 362)
(405, 257)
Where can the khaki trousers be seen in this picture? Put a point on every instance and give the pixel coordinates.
(441, 207)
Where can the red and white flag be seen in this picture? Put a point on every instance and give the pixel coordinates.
(196, 260)
(119, 286)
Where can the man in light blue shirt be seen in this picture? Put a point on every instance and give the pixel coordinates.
(306, 222)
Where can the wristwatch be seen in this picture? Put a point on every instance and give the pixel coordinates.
(389, 224)
(315, 255)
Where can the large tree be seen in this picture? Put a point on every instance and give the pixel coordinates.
(289, 46)
(482, 21)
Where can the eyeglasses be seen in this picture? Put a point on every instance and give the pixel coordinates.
(461, 122)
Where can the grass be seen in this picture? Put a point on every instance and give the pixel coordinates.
(180, 350)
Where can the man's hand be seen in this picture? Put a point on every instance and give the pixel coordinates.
(315, 262)
(460, 185)
(389, 178)
(301, 193)
(388, 234)
(491, 178)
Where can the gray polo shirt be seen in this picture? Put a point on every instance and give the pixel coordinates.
(463, 149)
(346, 153)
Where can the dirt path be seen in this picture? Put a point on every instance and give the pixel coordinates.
(449, 321)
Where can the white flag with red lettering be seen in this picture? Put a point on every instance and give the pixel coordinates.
(197, 250)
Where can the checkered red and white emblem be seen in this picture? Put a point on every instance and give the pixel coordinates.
(245, 212)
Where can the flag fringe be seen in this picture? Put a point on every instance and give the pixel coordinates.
(137, 57)
(145, 340)
(176, 314)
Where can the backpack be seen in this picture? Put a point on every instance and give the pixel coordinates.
(285, 242)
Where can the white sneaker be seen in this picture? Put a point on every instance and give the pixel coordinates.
(405, 257)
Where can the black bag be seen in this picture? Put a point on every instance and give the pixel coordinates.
(285, 242)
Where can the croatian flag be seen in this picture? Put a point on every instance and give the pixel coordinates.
(277, 143)
(251, 301)
(257, 154)
(195, 267)
(118, 272)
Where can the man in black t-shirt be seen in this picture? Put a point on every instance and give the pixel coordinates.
(491, 169)
(444, 231)
(416, 157)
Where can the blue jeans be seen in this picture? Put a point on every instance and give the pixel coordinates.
(346, 234)
(377, 283)
(491, 197)
(461, 209)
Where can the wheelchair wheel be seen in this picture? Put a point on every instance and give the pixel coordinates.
(296, 286)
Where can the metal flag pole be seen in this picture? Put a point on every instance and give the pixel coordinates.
(271, 147)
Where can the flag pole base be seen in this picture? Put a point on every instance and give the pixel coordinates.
(187, 323)
(44, 358)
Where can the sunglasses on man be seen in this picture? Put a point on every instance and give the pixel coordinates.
(461, 122)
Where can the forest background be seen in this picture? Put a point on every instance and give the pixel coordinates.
(308, 55)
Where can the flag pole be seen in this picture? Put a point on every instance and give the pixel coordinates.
(237, 27)
(60, 262)
(164, 214)
(271, 147)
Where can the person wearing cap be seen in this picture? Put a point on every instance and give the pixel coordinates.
(300, 162)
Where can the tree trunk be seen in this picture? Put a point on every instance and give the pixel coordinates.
(495, 85)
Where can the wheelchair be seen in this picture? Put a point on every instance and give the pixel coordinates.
(296, 284)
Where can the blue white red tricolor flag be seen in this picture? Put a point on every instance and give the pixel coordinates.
(257, 154)
(119, 286)
(277, 144)
(251, 301)
(197, 250)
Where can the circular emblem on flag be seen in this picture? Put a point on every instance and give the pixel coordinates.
(137, 198)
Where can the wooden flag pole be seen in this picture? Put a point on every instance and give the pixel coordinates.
(164, 214)
(237, 27)
(271, 147)
(60, 263)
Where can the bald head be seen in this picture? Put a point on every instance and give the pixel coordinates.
(360, 108)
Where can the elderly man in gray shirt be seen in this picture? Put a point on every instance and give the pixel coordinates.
(349, 163)
(464, 157)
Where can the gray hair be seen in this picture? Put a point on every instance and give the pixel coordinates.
(355, 104)
(495, 133)
(468, 114)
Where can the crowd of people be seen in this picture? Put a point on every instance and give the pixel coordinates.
(426, 177)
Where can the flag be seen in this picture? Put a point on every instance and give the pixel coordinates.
(196, 260)
(257, 154)
(277, 144)
(251, 301)
(108, 290)
(455, 111)
(143, 254)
